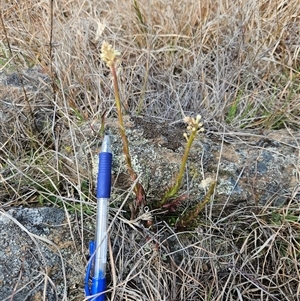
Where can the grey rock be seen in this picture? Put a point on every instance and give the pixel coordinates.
(32, 266)
(250, 169)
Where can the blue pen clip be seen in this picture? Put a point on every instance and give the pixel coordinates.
(92, 285)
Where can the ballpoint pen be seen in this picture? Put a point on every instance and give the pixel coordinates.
(96, 285)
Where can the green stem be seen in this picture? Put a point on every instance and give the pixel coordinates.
(187, 219)
(174, 189)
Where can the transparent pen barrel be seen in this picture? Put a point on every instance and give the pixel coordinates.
(101, 238)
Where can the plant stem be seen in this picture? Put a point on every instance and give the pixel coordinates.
(174, 189)
(132, 173)
(191, 215)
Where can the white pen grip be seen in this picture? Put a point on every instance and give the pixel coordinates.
(101, 238)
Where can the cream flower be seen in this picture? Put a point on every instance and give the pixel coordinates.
(193, 125)
(108, 54)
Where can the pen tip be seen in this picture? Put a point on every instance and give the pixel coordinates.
(106, 147)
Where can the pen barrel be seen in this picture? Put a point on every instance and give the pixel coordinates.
(104, 175)
(101, 239)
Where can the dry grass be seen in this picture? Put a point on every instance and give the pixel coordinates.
(233, 62)
(252, 260)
